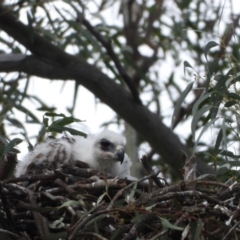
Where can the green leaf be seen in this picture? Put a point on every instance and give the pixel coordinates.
(115, 234)
(101, 198)
(201, 133)
(232, 79)
(185, 65)
(60, 129)
(51, 114)
(228, 154)
(97, 218)
(15, 123)
(223, 170)
(136, 218)
(131, 195)
(55, 236)
(169, 225)
(233, 95)
(180, 101)
(150, 207)
(69, 203)
(65, 121)
(219, 91)
(30, 146)
(230, 103)
(185, 232)
(202, 98)
(10, 146)
(218, 141)
(76, 90)
(177, 205)
(224, 133)
(211, 70)
(237, 121)
(196, 117)
(46, 109)
(183, 4)
(3, 140)
(196, 228)
(28, 113)
(58, 223)
(204, 176)
(209, 45)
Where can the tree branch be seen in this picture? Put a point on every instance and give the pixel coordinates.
(53, 63)
(228, 36)
(108, 46)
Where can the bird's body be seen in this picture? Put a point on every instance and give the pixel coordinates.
(103, 152)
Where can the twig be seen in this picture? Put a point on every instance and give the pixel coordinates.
(54, 198)
(149, 170)
(120, 192)
(94, 235)
(40, 221)
(62, 184)
(235, 225)
(162, 233)
(7, 165)
(189, 170)
(99, 184)
(6, 207)
(141, 225)
(148, 197)
(33, 178)
(87, 217)
(227, 38)
(10, 233)
(108, 46)
(214, 183)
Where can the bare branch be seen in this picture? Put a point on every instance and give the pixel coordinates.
(149, 170)
(228, 37)
(153, 17)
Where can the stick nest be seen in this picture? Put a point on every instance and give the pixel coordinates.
(81, 203)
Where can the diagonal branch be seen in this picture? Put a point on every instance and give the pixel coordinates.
(228, 36)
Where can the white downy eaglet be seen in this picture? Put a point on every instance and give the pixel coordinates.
(103, 151)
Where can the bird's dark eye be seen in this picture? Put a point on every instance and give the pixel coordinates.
(105, 144)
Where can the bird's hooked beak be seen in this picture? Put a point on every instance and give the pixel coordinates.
(119, 153)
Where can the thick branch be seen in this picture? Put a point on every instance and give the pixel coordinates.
(65, 67)
(228, 36)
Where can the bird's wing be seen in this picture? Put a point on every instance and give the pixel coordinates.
(52, 153)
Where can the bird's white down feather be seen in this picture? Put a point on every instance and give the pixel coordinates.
(67, 150)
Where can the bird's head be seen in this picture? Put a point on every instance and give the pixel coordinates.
(109, 147)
